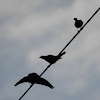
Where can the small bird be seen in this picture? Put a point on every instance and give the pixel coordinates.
(34, 78)
(78, 23)
(51, 58)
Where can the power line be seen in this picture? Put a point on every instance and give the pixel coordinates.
(80, 30)
(63, 49)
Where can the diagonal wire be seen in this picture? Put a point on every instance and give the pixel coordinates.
(63, 49)
(79, 30)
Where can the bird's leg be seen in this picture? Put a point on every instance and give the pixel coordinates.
(30, 84)
(77, 29)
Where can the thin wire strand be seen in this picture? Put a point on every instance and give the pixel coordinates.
(63, 49)
(79, 30)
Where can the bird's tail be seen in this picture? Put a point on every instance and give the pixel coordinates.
(62, 53)
(21, 81)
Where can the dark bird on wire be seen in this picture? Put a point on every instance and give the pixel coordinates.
(78, 23)
(34, 78)
(51, 58)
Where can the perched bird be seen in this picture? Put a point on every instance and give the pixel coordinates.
(51, 58)
(34, 78)
(78, 23)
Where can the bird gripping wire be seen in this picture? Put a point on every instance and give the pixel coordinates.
(64, 48)
(80, 30)
(33, 84)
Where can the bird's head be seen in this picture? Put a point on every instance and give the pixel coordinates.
(75, 19)
(42, 57)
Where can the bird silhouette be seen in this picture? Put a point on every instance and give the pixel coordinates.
(34, 78)
(78, 23)
(51, 58)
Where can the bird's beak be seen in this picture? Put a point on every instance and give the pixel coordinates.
(40, 57)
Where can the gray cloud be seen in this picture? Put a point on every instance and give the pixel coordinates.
(29, 29)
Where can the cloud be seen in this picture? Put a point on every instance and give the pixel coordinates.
(29, 29)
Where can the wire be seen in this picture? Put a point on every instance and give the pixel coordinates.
(63, 49)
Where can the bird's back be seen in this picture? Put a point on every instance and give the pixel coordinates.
(50, 58)
(33, 77)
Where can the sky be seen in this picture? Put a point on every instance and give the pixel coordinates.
(32, 28)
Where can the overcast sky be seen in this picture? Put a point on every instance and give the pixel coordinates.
(32, 28)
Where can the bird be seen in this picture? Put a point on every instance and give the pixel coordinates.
(34, 78)
(78, 23)
(51, 58)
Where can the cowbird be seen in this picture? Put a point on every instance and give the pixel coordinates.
(78, 23)
(51, 58)
(34, 78)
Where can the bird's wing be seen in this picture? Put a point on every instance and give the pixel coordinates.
(42, 81)
(25, 79)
